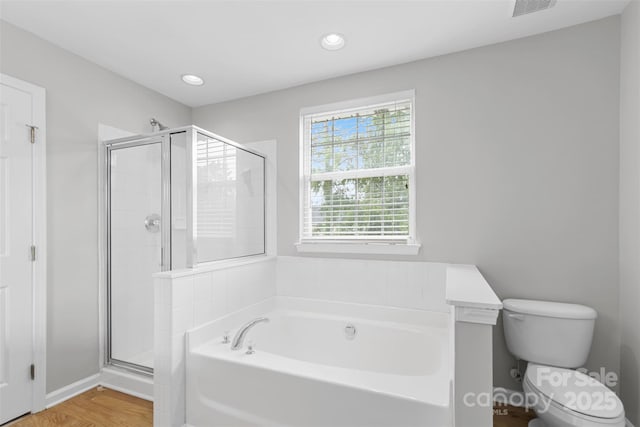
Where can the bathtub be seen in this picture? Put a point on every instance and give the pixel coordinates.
(309, 369)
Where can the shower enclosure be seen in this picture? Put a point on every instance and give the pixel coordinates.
(174, 199)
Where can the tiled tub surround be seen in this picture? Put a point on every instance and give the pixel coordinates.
(305, 364)
(419, 285)
(475, 311)
(185, 299)
(189, 299)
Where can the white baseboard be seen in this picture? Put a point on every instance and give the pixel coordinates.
(67, 392)
(136, 385)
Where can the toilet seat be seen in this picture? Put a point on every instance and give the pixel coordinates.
(574, 392)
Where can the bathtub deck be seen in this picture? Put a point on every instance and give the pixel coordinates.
(97, 407)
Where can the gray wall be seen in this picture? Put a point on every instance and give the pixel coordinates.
(517, 172)
(517, 164)
(80, 94)
(630, 211)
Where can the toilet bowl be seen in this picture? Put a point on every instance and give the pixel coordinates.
(555, 338)
(564, 398)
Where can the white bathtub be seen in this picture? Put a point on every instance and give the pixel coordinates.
(396, 371)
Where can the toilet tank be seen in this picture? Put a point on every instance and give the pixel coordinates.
(548, 333)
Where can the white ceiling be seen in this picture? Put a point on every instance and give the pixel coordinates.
(243, 48)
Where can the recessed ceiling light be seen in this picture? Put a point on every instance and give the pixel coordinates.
(192, 80)
(332, 41)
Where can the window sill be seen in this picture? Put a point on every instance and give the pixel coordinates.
(371, 248)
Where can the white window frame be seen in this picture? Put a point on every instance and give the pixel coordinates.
(360, 245)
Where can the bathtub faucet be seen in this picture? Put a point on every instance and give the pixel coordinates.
(242, 332)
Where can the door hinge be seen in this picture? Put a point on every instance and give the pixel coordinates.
(32, 371)
(32, 133)
(33, 253)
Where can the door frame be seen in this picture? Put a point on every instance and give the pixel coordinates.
(110, 139)
(39, 232)
(105, 133)
(109, 147)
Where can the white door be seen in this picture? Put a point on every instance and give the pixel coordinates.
(16, 265)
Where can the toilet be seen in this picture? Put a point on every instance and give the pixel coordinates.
(555, 339)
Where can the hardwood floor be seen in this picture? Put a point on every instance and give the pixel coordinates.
(511, 416)
(99, 407)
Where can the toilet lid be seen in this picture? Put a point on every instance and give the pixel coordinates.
(574, 390)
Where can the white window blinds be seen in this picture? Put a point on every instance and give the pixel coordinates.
(357, 172)
(216, 211)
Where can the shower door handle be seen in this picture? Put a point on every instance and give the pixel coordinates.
(152, 223)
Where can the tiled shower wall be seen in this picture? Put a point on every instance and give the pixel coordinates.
(135, 252)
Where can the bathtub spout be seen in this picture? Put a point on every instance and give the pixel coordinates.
(242, 332)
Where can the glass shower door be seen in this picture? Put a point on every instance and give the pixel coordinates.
(135, 251)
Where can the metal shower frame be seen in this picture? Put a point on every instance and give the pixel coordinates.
(164, 139)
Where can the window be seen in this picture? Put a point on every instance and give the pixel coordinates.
(358, 172)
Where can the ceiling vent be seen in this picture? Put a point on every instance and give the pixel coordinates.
(524, 7)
